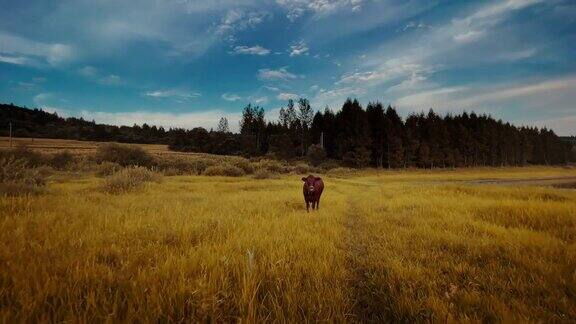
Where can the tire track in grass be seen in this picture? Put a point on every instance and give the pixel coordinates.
(365, 308)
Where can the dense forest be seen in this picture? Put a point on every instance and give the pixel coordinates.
(358, 137)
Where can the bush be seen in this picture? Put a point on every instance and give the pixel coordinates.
(243, 164)
(329, 165)
(270, 165)
(62, 160)
(129, 179)
(32, 158)
(84, 163)
(175, 166)
(125, 155)
(224, 169)
(316, 154)
(17, 178)
(302, 168)
(265, 174)
(107, 168)
(199, 165)
(340, 171)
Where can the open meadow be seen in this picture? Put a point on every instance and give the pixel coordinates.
(384, 246)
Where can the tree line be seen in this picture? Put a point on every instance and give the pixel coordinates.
(356, 136)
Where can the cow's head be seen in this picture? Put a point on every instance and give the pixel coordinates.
(309, 182)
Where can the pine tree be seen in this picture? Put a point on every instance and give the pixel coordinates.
(223, 125)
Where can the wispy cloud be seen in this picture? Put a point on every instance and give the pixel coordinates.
(176, 94)
(253, 50)
(296, 8)
(111, 80)
(287, 96)
(335, 97)
(538, 98)
(94, 74)
(22, 51)
(231, 97)
(238, 20)
(275, 75)
(18, 60)
(298, 49)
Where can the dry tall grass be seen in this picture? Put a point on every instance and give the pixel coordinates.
(393, 246)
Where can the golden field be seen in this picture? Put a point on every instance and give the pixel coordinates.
(440, 246)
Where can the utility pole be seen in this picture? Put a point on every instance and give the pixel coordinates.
(10, 135)
(322, 139)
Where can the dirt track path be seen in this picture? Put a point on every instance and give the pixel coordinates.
(364, 309)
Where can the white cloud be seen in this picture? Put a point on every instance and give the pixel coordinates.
(537, 102)
(518, 55)
(18, 60)
(42, 99)
(258, 100)
(176, 94)
(475, 26)
(238, 20)
(231, 97)
(274, 89)
(413, 26)
(111, 80)
(22, 51)
(287, 96)
(298, 49)
(335, 97)
(88, 71)
(254, 50)
(390, 70)
(296, 8)
(93, 73)
(275, 75)
(468, 36)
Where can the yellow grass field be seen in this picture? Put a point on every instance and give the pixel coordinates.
(440, 246)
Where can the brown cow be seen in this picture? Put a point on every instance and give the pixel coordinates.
(313, 187)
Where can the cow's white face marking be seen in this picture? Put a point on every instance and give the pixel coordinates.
(311, 188)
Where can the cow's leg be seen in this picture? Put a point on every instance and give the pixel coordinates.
(307, 206)
(313, 204)
(318, 203)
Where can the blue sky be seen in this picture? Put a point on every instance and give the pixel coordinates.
(188, 62)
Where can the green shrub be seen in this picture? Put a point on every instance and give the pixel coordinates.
(302, 168)
(265, 174)
(84, 163)
(170, 171)
(340, 171)
(199, 165)
(62, 160)
(129, 179)
(224, 169)
(17, 178)
(271, 165)
(175, 166)
(107, 168)
(243, 164)
(125, 155)
(32, 158)
(329, 165)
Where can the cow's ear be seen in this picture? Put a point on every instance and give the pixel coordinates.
(318, 178)
(304, 179)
